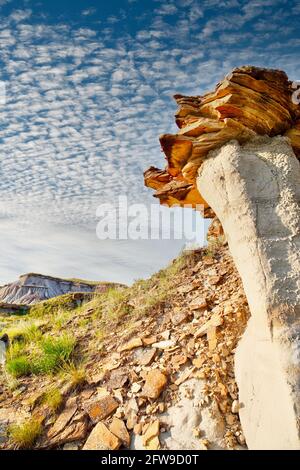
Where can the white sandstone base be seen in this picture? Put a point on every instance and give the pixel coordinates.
(255, 191)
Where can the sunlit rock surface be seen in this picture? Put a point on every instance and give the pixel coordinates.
(249, 101)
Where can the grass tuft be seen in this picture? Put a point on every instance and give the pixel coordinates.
(55, 352)
(18, 366)
(53, 399)
(25, 331)
(75, 374)
(24, 435)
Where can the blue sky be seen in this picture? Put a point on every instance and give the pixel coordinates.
(89, 89)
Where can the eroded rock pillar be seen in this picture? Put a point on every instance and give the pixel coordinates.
(255, 191)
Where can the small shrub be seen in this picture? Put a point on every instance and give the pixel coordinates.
(24, 435)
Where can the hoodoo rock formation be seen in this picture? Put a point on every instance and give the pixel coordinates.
(237, 153)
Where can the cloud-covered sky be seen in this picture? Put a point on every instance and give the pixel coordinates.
(89, 88)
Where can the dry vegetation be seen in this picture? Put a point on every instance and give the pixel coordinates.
(49, 340)
(24, 435)
(58, 347)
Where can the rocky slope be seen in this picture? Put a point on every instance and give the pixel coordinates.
(32, 288)
(158, 364)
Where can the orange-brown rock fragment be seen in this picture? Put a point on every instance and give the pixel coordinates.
(154, 385)
(102, 408)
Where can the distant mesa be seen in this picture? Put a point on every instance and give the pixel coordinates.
(32, 288)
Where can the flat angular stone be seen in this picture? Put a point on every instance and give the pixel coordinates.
(132, 344)
(179, 317)
(102, 408)
(96, 377)
(64, 418)
(235, 407)
(76, 431)
(212, 338)
(153, 444)
(102, 439)
(148, 340)
(146, 357)
(166, 344)
(216, 320)
(118, 428)
(198, 303)
(151, 432)
(185, 375)
(118, 378)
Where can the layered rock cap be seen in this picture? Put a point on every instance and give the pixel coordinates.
(249, 101)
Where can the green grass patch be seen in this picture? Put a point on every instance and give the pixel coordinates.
(44, 357)
(24, 331)
(55, 352)
(19, 366)
(54, 306)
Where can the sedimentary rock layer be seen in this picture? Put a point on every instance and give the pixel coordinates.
(250, 101)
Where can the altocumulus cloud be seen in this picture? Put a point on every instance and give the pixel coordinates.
(89, 93)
